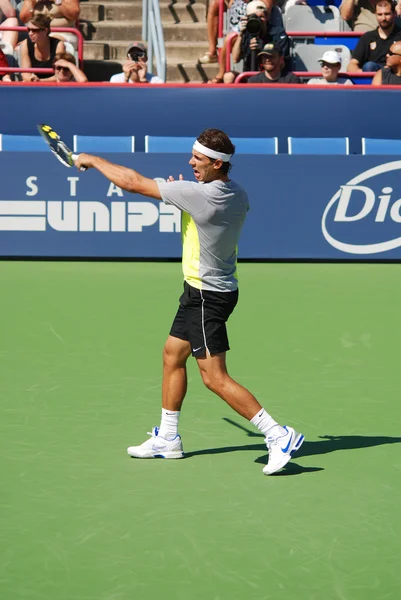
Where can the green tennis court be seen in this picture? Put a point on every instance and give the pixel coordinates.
(80, 351)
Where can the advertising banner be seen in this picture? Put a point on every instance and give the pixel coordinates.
(302, 207)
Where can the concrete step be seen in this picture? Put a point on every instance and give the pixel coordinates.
(190, 72)
(182, 12)
(182, 51)
(114, 11)
(131, 11)
(129, 30)
(116, 50)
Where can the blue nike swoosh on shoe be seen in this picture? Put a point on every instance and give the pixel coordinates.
(284, 450)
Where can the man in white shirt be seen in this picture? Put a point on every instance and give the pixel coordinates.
(135, 67)
(331, 65)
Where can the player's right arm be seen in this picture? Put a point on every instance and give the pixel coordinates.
(125, 178)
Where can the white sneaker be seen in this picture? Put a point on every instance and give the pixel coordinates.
(281, 448)
(158, 447)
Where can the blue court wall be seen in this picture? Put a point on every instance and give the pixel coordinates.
(302, 207)
(256, 111)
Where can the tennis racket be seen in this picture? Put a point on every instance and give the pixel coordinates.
(60, 150)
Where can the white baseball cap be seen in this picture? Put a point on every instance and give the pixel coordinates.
(255, 5)
(332, 57)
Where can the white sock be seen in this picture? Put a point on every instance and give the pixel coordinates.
(169, 424)
(264, 422)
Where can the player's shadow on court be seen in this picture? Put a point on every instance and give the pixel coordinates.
(325, 445)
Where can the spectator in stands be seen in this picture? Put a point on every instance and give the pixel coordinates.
(63, 13)
(135, 67)
(8, 18)
(391, 73)
(39, 49)
(236, 10)
(247, 43)
(370, 52)
(274, 70)
(330, 64)
(361, 15)
(65, 69)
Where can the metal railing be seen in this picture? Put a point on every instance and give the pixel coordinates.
(309, 74)
(152, 33)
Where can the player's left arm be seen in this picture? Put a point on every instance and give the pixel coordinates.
(123, 177)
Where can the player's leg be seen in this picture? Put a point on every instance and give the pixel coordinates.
(282, 442)
(216, 309)
(215, 377)
(175, 354)
(165, 441)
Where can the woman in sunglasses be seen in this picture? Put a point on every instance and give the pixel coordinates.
(39, 49)
(66, 70)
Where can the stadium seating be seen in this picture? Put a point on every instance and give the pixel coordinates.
(184, 144)
(380, 146)
(318, 145)
(22, 143)
(305, 56)
(100, 143)
(301, 17)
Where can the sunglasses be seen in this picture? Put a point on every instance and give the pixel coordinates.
(61, 69)
(32, 30)
(393, 53)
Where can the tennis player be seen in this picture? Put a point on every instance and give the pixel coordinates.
(213, 214)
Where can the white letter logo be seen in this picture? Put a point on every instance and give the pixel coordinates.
(342, 214)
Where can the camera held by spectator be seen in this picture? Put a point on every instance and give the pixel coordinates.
(135, 67)
(256, 30)
(254, 24)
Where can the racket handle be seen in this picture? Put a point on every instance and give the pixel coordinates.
(74, 158)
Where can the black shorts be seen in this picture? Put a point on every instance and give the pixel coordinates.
(201, 319)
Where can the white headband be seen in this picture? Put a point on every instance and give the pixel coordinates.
(211, 153)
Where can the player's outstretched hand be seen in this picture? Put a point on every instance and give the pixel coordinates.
(171, 178)
(83, 161)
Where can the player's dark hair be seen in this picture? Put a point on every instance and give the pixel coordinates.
(41, 21)
(215, 139)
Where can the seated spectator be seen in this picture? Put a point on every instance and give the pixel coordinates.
(65, 69)
(331, 65)
(238, 20)
(370, 52)
(274, 70)
(391, 73)
(8, 18)
(39, 49)
(63, 13)
(135, 68)
(247, 44)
